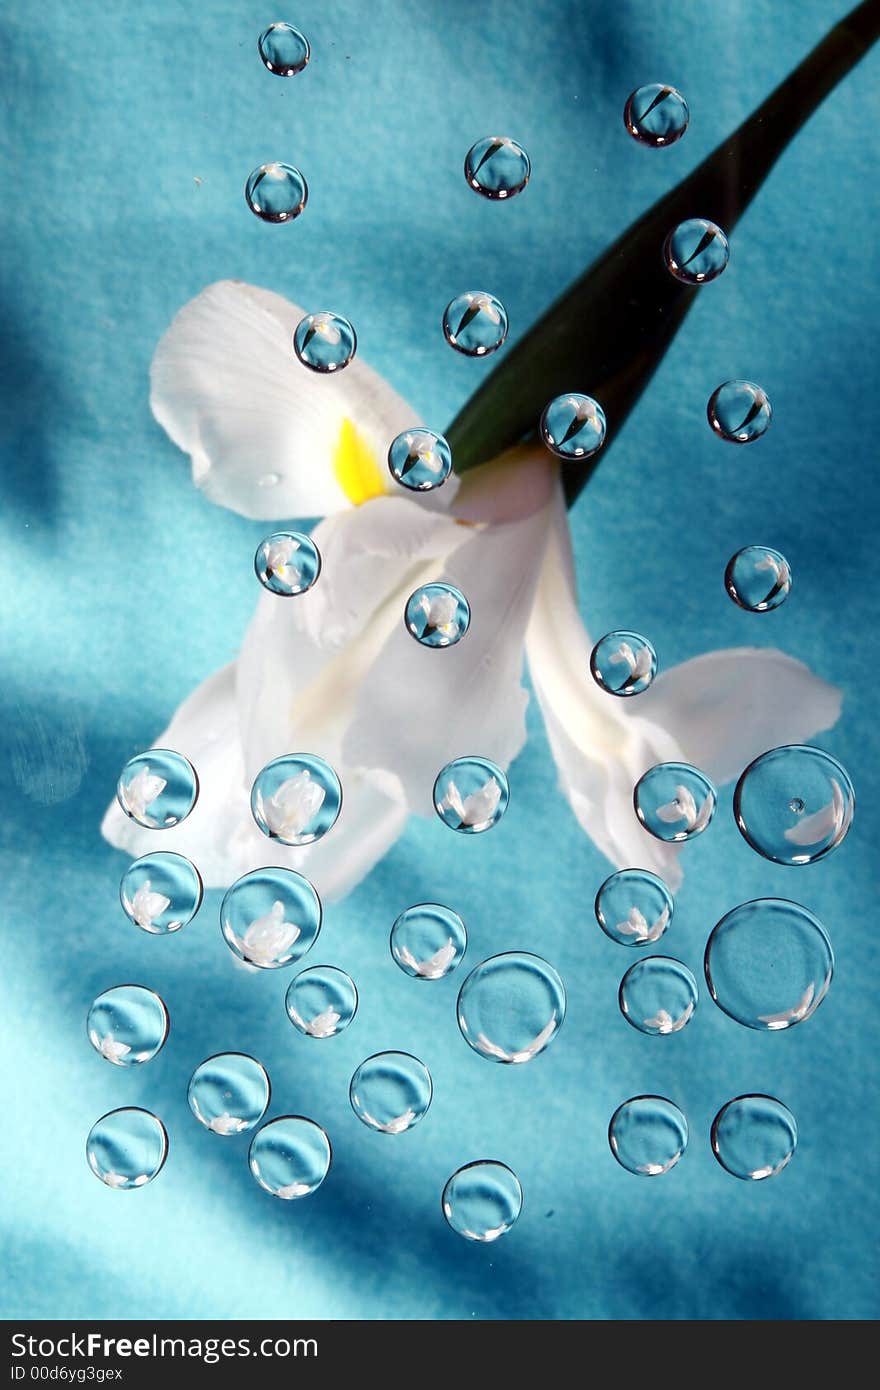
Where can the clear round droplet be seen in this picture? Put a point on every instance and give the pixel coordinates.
(482, 1200)
(769, 964)
(158, 789)
(276, 192)
(754, 1137)
(511, 1007)
(497, 167)
(471, 795)
(290, 1157)
(674, 801)
(127, 1025)
(283, 49)
(420, 460)
(296, 799)
(428, 941)
(634, 907)
(757, 578)
(648, 1135)
(623, 663)
(127, 1148)
(229, 1093)
(437, 615)
(794, 804)
(321, 1001)
(161, 892)
(270, 917)
(325, 342)
(391, 1092)
(656, 115)
(658, 995)
(696, 251)
(739, 411)
(287, 563)
(573, 426)
(475, 323)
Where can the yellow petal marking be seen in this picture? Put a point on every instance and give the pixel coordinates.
(356, 467)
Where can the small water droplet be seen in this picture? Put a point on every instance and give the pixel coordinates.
(325, 342)
(321, 1001)
(127, 1148)
(758, 579)
(482, 1200)
(296, 799)
(573, 426)
(739, 411)
(428, 941)
(269, 480)
(754, 1137)
(656, 115)
(276, 192)
(420, 460)
(634, 907)
(497, 167)
(161, 892)
(158, 789)
(471, 795)
(475, 323)
(290, 1157)
(648, 1135)
(696, 251)
(658, 995)
(511, 1007)
(287, 563)
(674, 801)
(769, 964)
(127, 1025)
(229, 1093)
(437, 615)
(623, 663)
(764, 804)
(391, 1092)
(796, 805)
(270, 917)
(283, 49)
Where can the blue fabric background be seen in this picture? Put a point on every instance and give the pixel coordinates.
(130, 131)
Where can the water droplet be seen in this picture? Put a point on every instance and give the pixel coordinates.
(482, 1200)
(656, 115)
(475, 323)
(325, 342)
(276, 192)
(229, 1093)
(161, 892)
(573, 426)
(658, 995)
(287, 563)
(437, 615)
(754, 1137)
(757, 578)
(321, 1001)
(270, 917)
(769, 964)
(290, 1157)
(127, 1148)
(511, 1007)
(283, 49)
(296, 799)
(428, 941)
(648, 1135)
(739, 411)
(623, 663)
(634, 907)
(158, 789)
(674, 801)
(391, 1092)
(794, 804)
(127, 1024)
(696, 251)
(471, 795)
(497, 167)
(420, 460)
(269, 480)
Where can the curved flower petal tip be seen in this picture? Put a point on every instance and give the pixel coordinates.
(267, 438)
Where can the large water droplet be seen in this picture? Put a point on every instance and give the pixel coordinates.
(794, 804)
(674, 801)
(482, 1200)
(127, 1148)
(437, 615)
(276, 192)
(656, 115)
(511, 1007)
(161, 892)
(696, 251)
(391, 1092)
(229, 1093)
(428, 941)
(648, 1135)
(325, 342)
(127, 1024)
(283, 49)
(290, 1157)
(634, 907)
(296, 799)
(270, 917)
(158, 789)
(739, 411)
(475, 323)
(623, 663)
(658, 995)
(420, 460)
(321, 1001)
(754, 1137)
(497, 167)
(573, 426)
(757, 578)
(471, 795)
(287, 563)
(769, 963)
